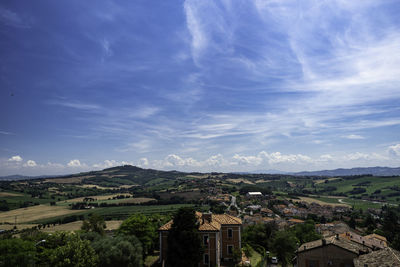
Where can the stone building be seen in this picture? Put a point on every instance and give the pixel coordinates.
(220, 234)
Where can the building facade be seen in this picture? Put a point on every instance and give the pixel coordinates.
(220, 235)
(339, 250)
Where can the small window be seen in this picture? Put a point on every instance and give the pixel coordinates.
(312, 263)
(206, 259)
(230, 233)
(230, 249)
(205, 240)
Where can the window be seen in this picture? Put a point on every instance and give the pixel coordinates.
(230, 249)
(312, 263)
(205, 240)
(230, 233)
(206, 259)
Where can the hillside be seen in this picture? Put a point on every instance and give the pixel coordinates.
(376, 171)
(116, 176)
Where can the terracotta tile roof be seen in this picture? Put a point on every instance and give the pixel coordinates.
(387, 257)
(377, 237)
(215, 224)
(212, 226)
(166, 226)
(226, 219)
(296, 221)
(332, 240)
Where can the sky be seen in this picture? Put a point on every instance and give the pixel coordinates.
(198, 85)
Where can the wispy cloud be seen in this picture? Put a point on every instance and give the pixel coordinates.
(12, 19)
(354, 136)
(75, 105)
(6, 133)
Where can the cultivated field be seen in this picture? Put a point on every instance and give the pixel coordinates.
(98, 198)
(19, 226)
(320, 202)
(34, 213)
(7, 194)
(74, 226)
(323, 180)
(68, 180)
(239, 180)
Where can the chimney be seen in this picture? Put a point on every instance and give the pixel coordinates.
(206, 217)
(323, 242)
(337, 236)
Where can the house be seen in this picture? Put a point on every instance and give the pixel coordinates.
(220, 233)
(267, 212)
(254, 194)
(332, 251)
(373, 241)
(295, 221)
(387, 257)
(333, 228)
(341, 250)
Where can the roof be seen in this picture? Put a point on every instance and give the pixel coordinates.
(254, 193)
(333, 240)
(296, 221)
(377, 237)
(386, 257)
(369, 241)
(217, 220)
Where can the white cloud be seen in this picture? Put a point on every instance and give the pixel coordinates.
(354, 136)
(15, 158)
(247, 160)
(30, 163)
(364, 156)
(106, 164)
(394, 150)
(175, 160)
(143, 162)
(74, 163)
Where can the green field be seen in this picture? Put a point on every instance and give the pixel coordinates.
(356, 203)
(377, 187)
(17, 201)
(125, 211)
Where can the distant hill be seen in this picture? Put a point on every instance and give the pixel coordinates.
(132, 175)
(17, 177)
(376, 171)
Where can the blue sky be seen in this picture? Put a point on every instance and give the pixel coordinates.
(198, 85)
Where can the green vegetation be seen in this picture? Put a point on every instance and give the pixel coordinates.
(263, 237)
(17, 252)
(143, 227)
(118, 251)
(184, 243)
(115, 213)
(94, 223)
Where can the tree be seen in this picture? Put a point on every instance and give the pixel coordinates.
(95, 223)
(75, 253)
(119, 251)
(284, 245)
(352, 222)
(259, 234)
(17, 252)
(305, 232)
(184, 242)
(143, 228)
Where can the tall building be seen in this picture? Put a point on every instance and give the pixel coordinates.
(220, 234)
